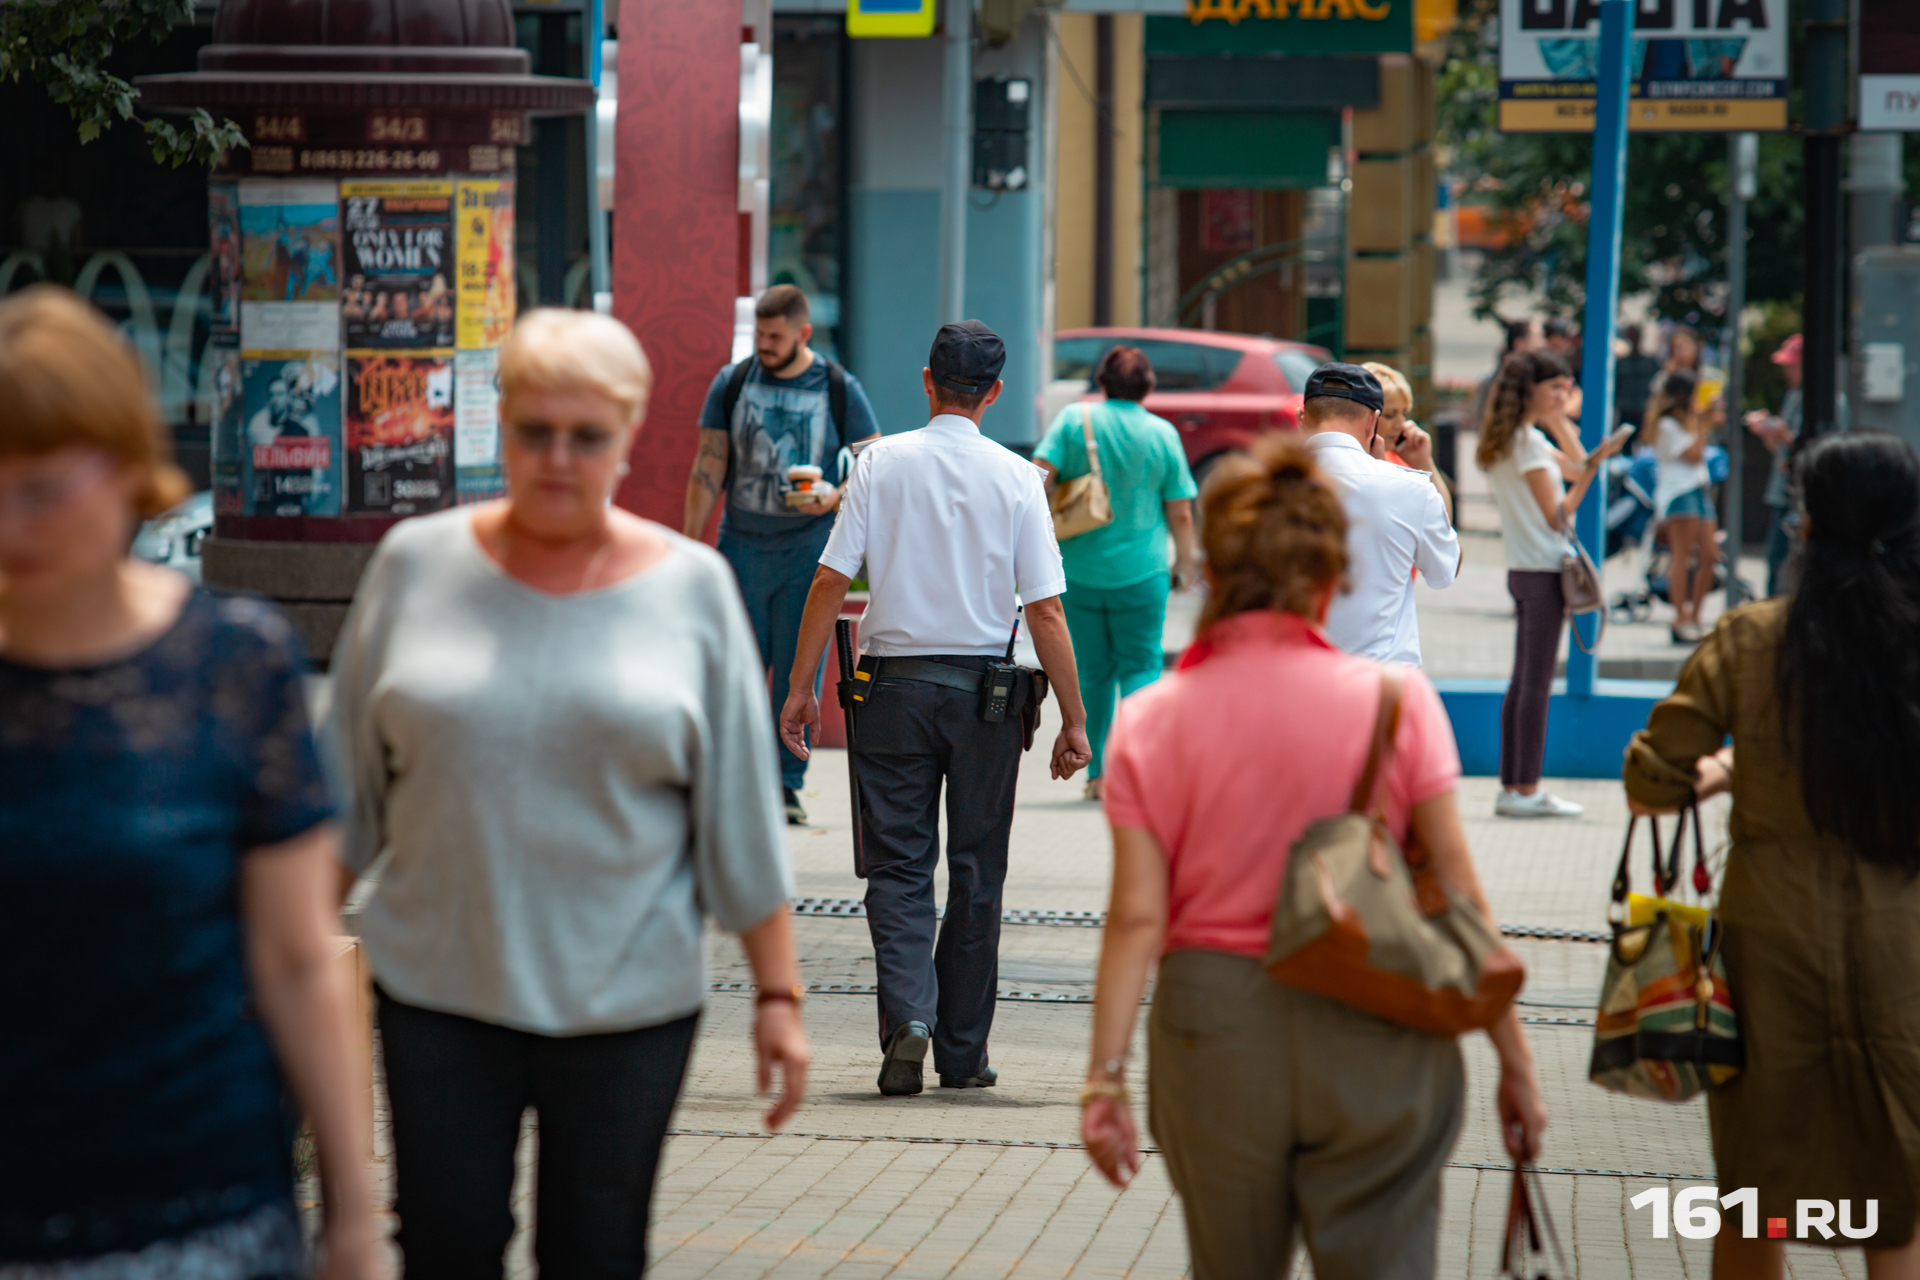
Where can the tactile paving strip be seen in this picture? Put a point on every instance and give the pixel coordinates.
(854, 908)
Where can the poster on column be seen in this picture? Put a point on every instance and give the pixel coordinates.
(476, 425)
(484, 242)
(220, 368)
(224, 272)
(290, 462)
(290, 266)
(399, 433)
(1696, 66)
(398, 241)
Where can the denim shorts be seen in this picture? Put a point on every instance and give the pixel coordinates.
(1693, 503)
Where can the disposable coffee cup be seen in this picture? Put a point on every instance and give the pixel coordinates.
(803, 481)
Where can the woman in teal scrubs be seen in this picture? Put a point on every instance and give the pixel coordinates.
(1117, 575)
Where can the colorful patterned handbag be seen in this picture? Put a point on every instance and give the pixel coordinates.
(1666, 1027)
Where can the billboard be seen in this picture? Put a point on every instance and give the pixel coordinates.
(1696, 65)
(1890, 66)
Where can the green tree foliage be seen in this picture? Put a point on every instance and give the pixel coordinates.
(62, 44)
(1674, 242)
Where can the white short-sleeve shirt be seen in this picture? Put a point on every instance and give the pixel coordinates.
(1532, 545)
(1396, 523)
(951, 526)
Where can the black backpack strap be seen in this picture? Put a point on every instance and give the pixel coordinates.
(729, 400)
(837, 398)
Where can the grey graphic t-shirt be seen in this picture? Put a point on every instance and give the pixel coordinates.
(780, 423)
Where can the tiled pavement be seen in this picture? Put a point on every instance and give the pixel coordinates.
(991, 1183)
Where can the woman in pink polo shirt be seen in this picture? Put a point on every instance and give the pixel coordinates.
(1279, 1111)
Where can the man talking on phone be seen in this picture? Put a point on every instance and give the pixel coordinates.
(1396, 515)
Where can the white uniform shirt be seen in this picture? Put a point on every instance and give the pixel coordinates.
(1395, 523)
(949, 525)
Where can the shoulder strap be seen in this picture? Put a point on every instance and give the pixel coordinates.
(729, 400)
(1086, 433)
(736, 383)
(1386, 726)
(837, 398)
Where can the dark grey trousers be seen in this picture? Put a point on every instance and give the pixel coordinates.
(912, 737)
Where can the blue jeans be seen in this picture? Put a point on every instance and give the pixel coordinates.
(1117, 647)
(774, 573)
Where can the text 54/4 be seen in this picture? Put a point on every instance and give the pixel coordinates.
(1695, 1214)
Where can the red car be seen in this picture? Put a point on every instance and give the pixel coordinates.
(1220, 389)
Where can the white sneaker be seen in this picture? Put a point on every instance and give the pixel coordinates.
(1541, 804)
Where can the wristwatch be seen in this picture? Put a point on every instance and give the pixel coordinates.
(792, 995)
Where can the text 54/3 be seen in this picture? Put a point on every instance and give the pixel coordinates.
(1695, 1214)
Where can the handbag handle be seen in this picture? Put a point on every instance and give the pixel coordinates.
(1622, 879)
(1386, 726)
(1530, 1230)
(1093, 445)
(1666, 873)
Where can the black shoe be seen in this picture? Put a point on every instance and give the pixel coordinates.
(796, 816)
(987, 1078)
(900, 1069)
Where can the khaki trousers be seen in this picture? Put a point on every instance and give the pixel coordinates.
(1279, 1110)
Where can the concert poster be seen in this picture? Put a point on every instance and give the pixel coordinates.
(290, 461)
(484, 242)
(290, 236)
(220, 367)
(476, 425)
(399, 433)
(398, 243)
(224, 270)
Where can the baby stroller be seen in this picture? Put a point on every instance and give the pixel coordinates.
(1630, 486)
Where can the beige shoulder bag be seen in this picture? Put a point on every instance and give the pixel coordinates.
(1082, 505)
(1364, 923)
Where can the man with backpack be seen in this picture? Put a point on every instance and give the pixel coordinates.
(781, 408)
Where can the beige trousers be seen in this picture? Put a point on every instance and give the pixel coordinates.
(1281, 1111)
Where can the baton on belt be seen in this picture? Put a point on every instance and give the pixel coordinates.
(850, 694)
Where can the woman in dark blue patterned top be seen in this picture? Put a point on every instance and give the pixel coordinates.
(166, 866)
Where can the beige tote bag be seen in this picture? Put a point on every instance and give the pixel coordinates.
(1082, 505)
(1370, 925)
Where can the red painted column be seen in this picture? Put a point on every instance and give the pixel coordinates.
(675, 224)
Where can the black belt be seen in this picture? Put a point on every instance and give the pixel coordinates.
(924, 670)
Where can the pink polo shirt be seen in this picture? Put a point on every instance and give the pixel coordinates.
(1228, 760)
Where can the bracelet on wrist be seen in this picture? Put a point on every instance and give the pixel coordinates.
(792, 995)
(1104, 1089)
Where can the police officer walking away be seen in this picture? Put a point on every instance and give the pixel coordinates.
(782, 407)
(949, 525)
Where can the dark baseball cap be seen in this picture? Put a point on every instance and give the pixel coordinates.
(967, 357)
(1345, 382)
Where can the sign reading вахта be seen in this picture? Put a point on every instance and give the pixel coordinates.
(1285, 26)
(1697, 65)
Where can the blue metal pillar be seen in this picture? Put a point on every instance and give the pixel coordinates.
(1603, 297)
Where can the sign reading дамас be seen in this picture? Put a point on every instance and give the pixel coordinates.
(1697, 65)
(1285, 26)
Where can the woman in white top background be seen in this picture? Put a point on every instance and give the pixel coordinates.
(553, 718)
(1683, 497)
(1531, 451)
